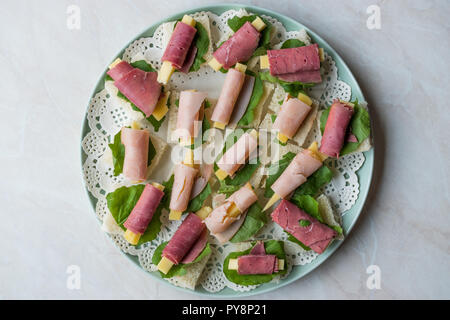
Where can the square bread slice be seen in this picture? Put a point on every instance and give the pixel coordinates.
(192, 276)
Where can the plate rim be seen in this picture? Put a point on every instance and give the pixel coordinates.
(362, 196)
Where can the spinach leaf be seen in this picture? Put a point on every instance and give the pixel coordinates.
(292, 43)
(315, 181)
(293, 88)
(197, 202)
(253, 222)
(201, 41)
(257, 93)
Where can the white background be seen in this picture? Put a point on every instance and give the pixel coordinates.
(48, 73)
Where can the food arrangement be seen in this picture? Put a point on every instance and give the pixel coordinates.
(257, 206)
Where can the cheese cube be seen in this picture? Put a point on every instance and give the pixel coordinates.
(186, 142)
(216, 65)
(204, 212)
(271, 202)
(314, 148)
(175, 215)
(264, 62)
(221, 174)
(165, 265)
(233, 264)
(304, 98)
(240, 67)
(233, 211)
(219, 125)
(189, 158)
(158, 186)
(115, 62)
(161, 107)
(280, 264)
(135, 125)
(131, 237)
(321, 55)
(165, 72)
(259, 24)
(282, 138)
(188, 20)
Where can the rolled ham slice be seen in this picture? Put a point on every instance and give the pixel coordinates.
(228, 96)
(239, 47)
(197, 248)
(229, 233)
(201, 181)
(336, 129)
(257, 264)
(243, 100)
(236, 156)
(143, 211)
(317, 236)
(301, 167)
(184, 177)
(184, 238)
(219, 221)
(136, 153)
(188, 112)
(119, 70)
(141, 88)
(291, 116)
(179, 44)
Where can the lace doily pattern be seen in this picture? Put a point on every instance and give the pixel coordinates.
(107, 114)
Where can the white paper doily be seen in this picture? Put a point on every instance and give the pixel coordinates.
(106, 115)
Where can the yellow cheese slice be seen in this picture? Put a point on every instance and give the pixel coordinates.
(216, 65)
(347, 103)
(304, 98)
(175, 215)
(271, 202)
(259, 24)
(233, 264)
(280, 264)
(221, 174)
(131, 237)
(204, 212)
(165, 72)
(264, 62)
(189, 158)
(161, 107)
(240, 67)
(135, 125)
(314, 148)
(186, 142)
(282, 138)
(219, 125)
(115, 63)
(188, 20)
(158, 186)
(233, 211)
(321, 55)
(165, 265)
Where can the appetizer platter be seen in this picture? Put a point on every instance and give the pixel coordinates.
(227, 150)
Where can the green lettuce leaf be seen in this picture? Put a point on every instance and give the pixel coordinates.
(314, 182)
(272, 247)
(197, 202)
(118, 153)
(292, 43)
(359, 126)
(201, 41)
(253, 222)
(226, 189)
(307, 204)
(275, 170)
(293, 88)
(143, 65)
(257, 93)
(236, 23)
(122, 201)
(295, 240)
(178, 269)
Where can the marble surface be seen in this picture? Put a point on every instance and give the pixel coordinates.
(48, 74)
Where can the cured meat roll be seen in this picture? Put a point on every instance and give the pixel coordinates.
(179, 44)
(313, 234)
(336, 129)
(136, 144)
(228, 96)
(119, 70)
(184, 177)
(237, 155)
(301, 167)
(184, 238)
(223, 216)
(239, 48)
(142, 213)
(189, 109)
(291, 116)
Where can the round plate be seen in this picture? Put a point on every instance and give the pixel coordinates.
(364, 173)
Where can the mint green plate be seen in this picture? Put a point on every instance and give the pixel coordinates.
(364, 173)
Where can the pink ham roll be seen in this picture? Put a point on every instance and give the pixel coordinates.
(184, 177)
(316, 235)
(184, 238)
(218, 220)
(228, 96)
(301, 167)
(119, 70)
(188, 112)
(293, 60)
(141, 88)
(143, 211)
(336, 129)
(257, 264)
(236, 156)
(239, 47)
(136, 153)
(291, 116)
(179, 44)
(229, 233)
